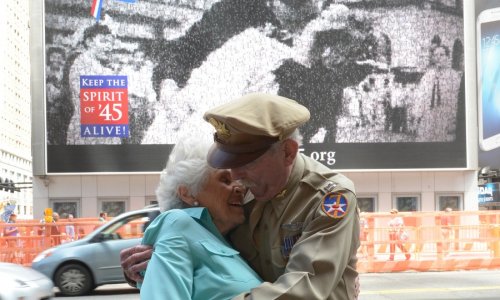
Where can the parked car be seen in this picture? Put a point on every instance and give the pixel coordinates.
(78, 267)
(18, 282)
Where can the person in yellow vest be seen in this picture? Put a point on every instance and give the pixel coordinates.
(301, 233)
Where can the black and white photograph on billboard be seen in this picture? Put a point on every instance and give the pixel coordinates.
(383, 80)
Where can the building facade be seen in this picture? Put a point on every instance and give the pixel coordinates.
(87, 195)
(15, 109)
(435, 183)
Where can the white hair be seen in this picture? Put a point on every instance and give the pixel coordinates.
(186, 166)
(296, 136)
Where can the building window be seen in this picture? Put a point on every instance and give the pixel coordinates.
(407, 202)
(451, 200)
(367, 203)
(64, 207)
(151, 200)
(113, 207)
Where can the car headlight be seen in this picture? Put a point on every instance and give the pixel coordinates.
(44, 254)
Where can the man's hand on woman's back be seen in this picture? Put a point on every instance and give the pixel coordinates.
(134, 260)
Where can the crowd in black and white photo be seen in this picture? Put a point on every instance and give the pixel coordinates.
(364, 79)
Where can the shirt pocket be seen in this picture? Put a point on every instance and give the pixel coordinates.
(226, 262)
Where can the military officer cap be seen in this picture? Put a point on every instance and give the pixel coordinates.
(247, 127)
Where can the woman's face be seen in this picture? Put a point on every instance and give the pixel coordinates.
(223, 197)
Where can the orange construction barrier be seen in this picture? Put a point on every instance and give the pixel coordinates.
(495, 245)
(468, 240)
(33, 237)
(464, 241)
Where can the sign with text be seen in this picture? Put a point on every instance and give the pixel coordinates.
(104, 106)
(489, 192)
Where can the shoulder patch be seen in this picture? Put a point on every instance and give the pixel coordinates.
(335, 204)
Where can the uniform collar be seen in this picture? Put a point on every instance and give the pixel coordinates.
(281, 200)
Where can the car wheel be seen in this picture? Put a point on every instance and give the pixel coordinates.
(73, 280)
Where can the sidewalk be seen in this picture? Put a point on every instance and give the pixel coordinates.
(430, 262)
(452, 285)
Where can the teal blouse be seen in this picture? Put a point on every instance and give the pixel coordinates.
(192, 260)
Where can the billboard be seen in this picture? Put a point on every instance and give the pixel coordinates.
(489, 193)
(487, 157)
(384, 80)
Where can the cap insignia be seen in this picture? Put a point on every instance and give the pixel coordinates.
(222, 131)
(335, 205)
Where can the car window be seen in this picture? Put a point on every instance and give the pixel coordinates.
(128, 228)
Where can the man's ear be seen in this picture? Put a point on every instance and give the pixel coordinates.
(185, 195)
(291, 149)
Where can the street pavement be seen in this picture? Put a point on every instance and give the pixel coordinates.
(457, 285)
(109, 291)
(479, 285)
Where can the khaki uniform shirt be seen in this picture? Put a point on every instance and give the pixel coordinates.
(299, 250)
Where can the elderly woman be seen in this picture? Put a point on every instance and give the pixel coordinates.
(191, 258)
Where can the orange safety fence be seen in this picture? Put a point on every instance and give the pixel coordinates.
(467, 240)
(470, 240)
(34, 237)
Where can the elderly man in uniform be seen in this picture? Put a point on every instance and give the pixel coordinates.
(302, 228)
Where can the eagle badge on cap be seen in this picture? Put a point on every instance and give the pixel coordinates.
(335, 205)
(222, 131)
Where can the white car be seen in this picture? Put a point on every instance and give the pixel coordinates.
(18, 282)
